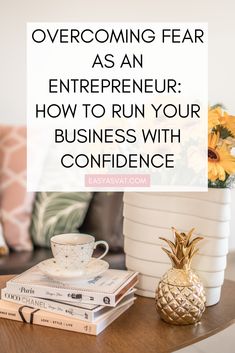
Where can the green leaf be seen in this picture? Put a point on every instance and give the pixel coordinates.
(225, 133)
(57, 213)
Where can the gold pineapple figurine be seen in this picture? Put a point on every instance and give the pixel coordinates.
(180, 296)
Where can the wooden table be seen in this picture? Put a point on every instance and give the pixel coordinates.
(139, 330)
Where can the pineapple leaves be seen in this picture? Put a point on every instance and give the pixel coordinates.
(192, 250)
(182, 250)
(173, 258)
(178, 236)
(192, 253)
(195, 241)
(190, 233)
(170, 243)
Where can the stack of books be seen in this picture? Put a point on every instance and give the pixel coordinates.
(87, 307)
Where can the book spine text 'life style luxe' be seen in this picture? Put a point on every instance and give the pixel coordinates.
(31, 315)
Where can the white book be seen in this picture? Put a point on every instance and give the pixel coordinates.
(29, 315)
(105, 289)
(85, 312)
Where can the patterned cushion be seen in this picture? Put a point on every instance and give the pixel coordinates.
(15, 201)
(3, 246)
(57, 213)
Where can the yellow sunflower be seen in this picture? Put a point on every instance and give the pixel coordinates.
(213, 117)
(220, 161)
(228, 122)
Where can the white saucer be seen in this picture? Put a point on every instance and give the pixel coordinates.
(94, 268)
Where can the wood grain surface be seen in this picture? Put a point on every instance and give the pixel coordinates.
(139, 330)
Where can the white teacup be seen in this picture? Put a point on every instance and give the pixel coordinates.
(73, 251)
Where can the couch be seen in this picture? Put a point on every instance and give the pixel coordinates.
(103, 220)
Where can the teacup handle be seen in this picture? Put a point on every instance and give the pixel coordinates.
(106, 246)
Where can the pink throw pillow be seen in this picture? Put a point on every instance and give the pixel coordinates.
(15, 201)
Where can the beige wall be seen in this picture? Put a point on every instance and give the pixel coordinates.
(15, 13)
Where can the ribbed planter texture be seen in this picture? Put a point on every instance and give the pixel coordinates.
(147, 216)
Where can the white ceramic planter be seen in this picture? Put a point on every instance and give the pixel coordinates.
(147, 216)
